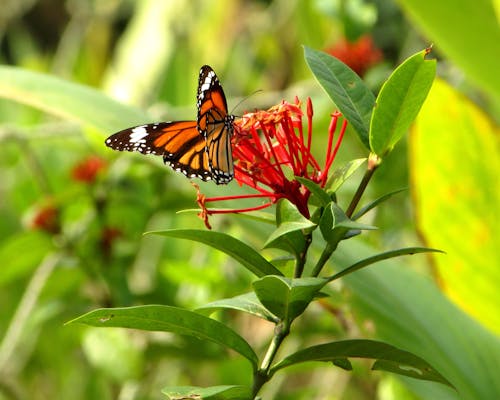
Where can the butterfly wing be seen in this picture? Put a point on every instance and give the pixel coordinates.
(180, 144)
(198, 149)
(219, 151)
(216, 125)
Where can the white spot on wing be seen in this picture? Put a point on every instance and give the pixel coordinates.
(138, 134)
(207, 82)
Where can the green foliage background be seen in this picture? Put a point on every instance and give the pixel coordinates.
(85, 69)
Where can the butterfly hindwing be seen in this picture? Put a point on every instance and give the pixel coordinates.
(216, 125)
(219, 151)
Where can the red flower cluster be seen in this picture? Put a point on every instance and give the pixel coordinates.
(270, 149)
(86, 170)
(359, 55)
(46, 219)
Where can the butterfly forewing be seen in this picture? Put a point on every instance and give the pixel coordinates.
(210, 93)
(139, 138)
(180, 144)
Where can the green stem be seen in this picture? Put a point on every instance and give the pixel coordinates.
(261, 376)
(12, 340)
(301, 259)
(325, 255)
(373, 163)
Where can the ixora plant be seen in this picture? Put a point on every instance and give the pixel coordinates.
(272, 154)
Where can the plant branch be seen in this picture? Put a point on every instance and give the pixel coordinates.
(14, 334)
(325, 256)
(373, 163)
(301, 260)
(261, 376)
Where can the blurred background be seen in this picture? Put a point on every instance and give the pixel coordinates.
(73, 212)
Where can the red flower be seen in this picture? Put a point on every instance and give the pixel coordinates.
(87, 169)
(359, 55)
(270, 148)
(46, 219)
(108, 237)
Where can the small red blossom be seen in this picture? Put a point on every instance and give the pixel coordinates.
(270, 149)
(46, 219)
(359, 55)
(86, 170)
(108, 236)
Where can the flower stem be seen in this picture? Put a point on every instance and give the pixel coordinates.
(373, 163)
(261, 376)
(301, 260)
(325, 255)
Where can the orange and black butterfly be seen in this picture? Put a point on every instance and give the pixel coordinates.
(198, 149)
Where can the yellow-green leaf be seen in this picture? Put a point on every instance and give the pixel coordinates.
(455, 166)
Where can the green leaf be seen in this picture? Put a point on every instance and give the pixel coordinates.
(226, 392)
(282, 233)
(327, 224)
(410, 311)
(383, 256)
(363, 210)
(399, 102)
(443, 22)
(289, 235)
(238, 250)
(287, 212)
(334, 224)
(455, 165)
(316, 190)
(67, 100)
(349, 93)
(170, 319)
(247, 302)
(343, 363)
(287, 298)
(389, 358)
(340, 175)
(342, 221)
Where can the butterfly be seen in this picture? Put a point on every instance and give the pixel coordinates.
(198, 149)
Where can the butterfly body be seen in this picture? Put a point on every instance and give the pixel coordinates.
(198, 149)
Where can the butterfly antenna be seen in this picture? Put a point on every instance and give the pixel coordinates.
(245, 99)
